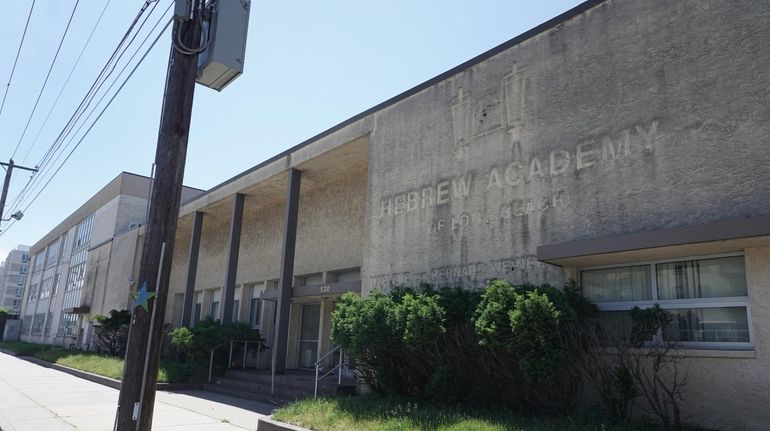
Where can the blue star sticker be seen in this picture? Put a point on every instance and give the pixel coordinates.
(142, 296)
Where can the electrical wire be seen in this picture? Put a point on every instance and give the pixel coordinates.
(21, 44)
(88, 98)
(82, 138)
(105, 73)
(100, 115)
(88, 117)
(48, 75)
(66, 81)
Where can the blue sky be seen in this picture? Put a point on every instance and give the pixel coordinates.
(309, 66)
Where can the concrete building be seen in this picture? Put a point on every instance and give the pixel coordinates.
(623, 144)
(13, 274)
(86, 265)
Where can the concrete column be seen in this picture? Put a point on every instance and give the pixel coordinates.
(287, 271)
(192, 269)
(232, 258)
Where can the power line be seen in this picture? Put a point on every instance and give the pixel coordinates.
(13, 69)
(98, 82)
(66, 81)
(88, 98)
(48, 75)
(88, 117)
(82, 138)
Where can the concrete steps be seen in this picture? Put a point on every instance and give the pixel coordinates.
(295, 385)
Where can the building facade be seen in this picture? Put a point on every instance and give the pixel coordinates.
(623, 145)
(85, 266)
(13, 275)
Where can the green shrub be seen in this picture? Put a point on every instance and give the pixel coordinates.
(491, 318)
(536, 342)
(647, 322)
(111, 332)
(417, 319)
(446, 344)
(197, 343)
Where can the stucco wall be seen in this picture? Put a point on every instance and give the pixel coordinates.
(629, 117)
(330, 226)
(109, 269)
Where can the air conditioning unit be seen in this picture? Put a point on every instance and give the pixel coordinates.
(226, 33)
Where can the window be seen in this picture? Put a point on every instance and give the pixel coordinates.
(214, 311)
(197, 314)
(216, 299)
(45, 288)
(197, 308)
(32, 293)
(38, 262)
(255, 310)
(53, 254)
(236, 307)
(73, 285)
(707, 297)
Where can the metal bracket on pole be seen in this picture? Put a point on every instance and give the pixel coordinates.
(182, 10)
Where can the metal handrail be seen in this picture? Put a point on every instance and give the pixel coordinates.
(211, 360)
(245, 350)
(336, 367)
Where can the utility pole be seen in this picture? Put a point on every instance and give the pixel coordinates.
(8, 172)
(140, 375)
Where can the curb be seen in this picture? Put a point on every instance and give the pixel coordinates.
(267, 423)
(107, 381)
(8, 352)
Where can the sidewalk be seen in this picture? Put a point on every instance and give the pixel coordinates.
(37, 398)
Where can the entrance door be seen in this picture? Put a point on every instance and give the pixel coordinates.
(308, 336)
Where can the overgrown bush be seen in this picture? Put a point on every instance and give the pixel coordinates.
(111, 332)
(502, 345)
(536, 341)
(632, 365)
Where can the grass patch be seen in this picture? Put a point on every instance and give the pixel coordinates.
(93, 363)
(22, 348)
(377, 413)
(109, 366)
(105, 365)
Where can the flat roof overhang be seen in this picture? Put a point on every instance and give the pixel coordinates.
(85, 309)
(709, 238)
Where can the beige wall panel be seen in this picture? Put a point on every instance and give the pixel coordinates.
(330, 223)
(261, 241)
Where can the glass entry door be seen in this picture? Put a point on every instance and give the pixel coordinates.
(308, 335)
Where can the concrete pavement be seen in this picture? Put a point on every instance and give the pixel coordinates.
(37, 398)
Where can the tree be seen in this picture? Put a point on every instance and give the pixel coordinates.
(111, 333)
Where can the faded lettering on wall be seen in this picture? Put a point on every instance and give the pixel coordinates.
(520, 269)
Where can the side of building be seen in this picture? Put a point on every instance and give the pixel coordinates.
(84, 267)
(622, 145)
(13, 275)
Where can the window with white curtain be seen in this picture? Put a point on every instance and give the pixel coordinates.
(706, 296)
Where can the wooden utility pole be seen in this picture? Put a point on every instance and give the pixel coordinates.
(146, 339)
(8, 172)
